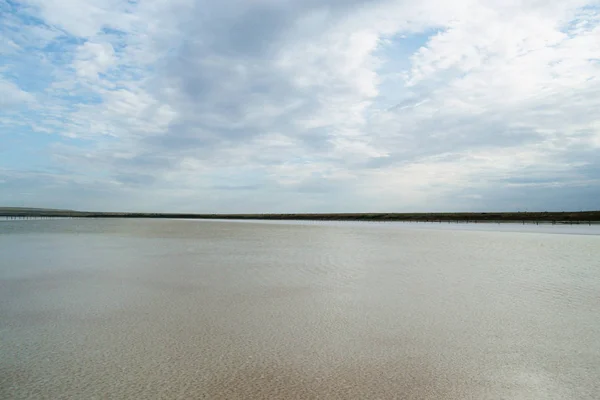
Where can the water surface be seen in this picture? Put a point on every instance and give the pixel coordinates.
(160, 309)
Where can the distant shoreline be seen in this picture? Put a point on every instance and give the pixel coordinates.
(495, 217)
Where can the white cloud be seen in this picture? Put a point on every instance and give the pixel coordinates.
(294, 96)
(12, 95)
(93, 59)
(8, 47)
(84, 18)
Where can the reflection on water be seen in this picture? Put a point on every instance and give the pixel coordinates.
(190, 309)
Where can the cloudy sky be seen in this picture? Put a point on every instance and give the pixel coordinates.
(300, 105)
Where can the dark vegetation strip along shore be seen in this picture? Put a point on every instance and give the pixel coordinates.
(551, 217)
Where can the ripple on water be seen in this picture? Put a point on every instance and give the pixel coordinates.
(180, 309)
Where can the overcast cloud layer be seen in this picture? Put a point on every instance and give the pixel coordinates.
(300, 105)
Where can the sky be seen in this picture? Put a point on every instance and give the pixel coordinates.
(300, 105)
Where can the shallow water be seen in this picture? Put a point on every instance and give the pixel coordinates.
(206, 309)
